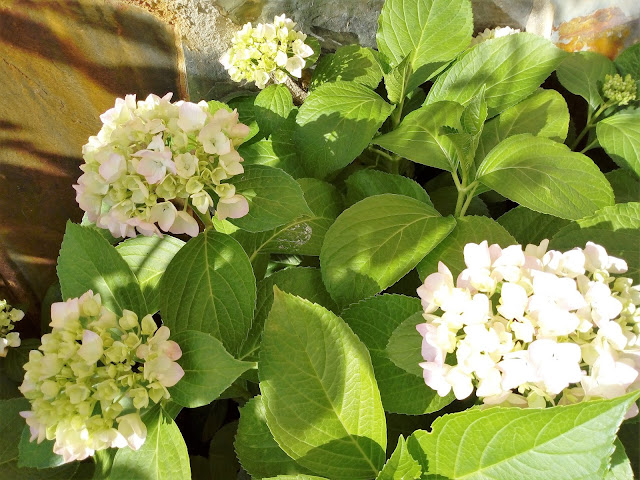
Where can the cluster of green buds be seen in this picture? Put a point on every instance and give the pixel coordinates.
(8, 316)
(618, 90)
(93, 375)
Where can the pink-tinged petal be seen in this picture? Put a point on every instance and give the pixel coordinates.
(164, 214)
(113, 168)
(151, 169)
(172, 350)
(172, 375)
(185, 223)
(92, 347)
(234, 207)
(133, 429)
(63, 313)
(191, 117)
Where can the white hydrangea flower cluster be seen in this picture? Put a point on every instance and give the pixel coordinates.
(8, 316)
(532, 328)
(93, 374)
(490, 33)
(151, 152)
(271, 50)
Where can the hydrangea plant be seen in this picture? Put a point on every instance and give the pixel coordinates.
(425, 265)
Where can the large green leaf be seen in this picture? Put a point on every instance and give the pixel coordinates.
(275, 198)
(351, 63)
(401, 465)
(208, 369)
(545, 176)
(544, 114)
(419, 137)
(427, 31)
(258, 452)
(528, 226)
(303, 235)
(404, 349)
(376, 242)
(148, 258)
(272, 107)
(468, 230)
(303, 282)
(37, 455)
(366, 183)
(322, 403)
(511, 68)
(223, 463)
(374, 321)
(582, 73)
(209, 286)
(537, 444)
(620, 468)
(626, 188)
(336, 123)
(619, 135)
(88, 262)
(11, 428)
(163, 455)
(628, 62)
(616, 228)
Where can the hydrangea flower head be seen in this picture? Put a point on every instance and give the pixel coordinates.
(270, 51)
(152, 155)
(93, 375)
(532, 327)
(490, 33)
(619, 90)
(8, 317)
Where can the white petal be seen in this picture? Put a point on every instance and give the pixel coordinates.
(185, 223)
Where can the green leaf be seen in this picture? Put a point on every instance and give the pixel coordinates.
(163, 455)
(419, 137)
(305, 234)
(351, 63)
(13, 364)
(619, 135)
(208, 369)
(374, 321)
(582, 73)
(367, 183)
(544, 114)
(545, 176)
(468, 230)
(626, 188)
(303, 282)
(532, 227)
(11, 428)
(445, 198)
(511, 68)
(336, 123)
(296, 477)
(272, 108)
(88, 262)
(222, 459)
(620, 468)
(474, 114)
(616, 228)
(628, 62)
(321, 399)
(275, 198)
(426, 31)
(405, 351)
(73, 471)
(209, 286)
(258, 452)
(317, 49)
(37, 455)
(148, 258)
(376, 242)
(537, 444)
(396, 81)
(247, 115)
(401, 465)
(277, 151)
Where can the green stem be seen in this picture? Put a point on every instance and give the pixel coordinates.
(382, 153)
(469, 198)
(590, 146)
(592, 119)
(204, 218)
